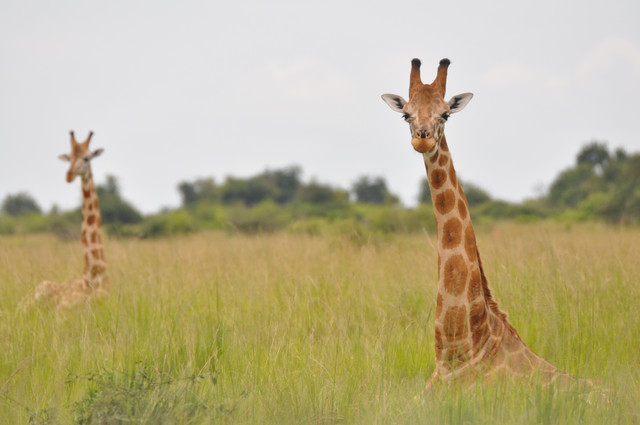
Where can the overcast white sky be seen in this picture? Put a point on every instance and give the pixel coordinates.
(186, 89)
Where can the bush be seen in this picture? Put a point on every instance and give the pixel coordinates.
(113, 208)
(264, 217)
(146, 395)
(66, 226)
(421, 218)
(372, 190)
(351, 229)
(19, 204)
(33, 223)
(7, 225)
(496, 209)
(314, 226)
(167, 224)
(385, 219)
(208, 216)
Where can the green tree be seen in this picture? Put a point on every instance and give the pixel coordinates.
(595, 153)
(373, 190)
(316, 193)
(573, 186)
(287, 181)
(19, 204)
(188, 193)
(249, 192)
(201, 190)
(622, 200)
(113, 208)
(475, 194)
(600, 185)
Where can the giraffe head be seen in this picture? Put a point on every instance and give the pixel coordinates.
(79, 157)
(426, 111)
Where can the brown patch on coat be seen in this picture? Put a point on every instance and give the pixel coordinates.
(91, 219)
(438, 305)
(479, 336)
(470, 243)
(474, 291)
(443, 145)
(455, 323)
(438, 178)
(462, 209)
(452, 175)
(445, 201)
(455, 275)
(443, 160)
(434, 157)
(438, 338)
(96, 253)
(96, 270)
(452, 233)
(477, 315)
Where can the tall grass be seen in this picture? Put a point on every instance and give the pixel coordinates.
(284, 329)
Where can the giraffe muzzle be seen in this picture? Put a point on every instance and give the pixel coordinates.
(422, 134)
(423, 144)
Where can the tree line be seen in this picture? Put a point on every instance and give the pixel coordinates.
(602, 184)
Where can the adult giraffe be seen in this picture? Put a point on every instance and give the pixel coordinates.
(95, 278)
(473, 337)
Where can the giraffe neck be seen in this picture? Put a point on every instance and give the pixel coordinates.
(469, 324)
(95, 266)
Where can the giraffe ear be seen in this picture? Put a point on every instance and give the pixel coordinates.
(457, 103)
(95, 153)
(394, 101)
(65, 157)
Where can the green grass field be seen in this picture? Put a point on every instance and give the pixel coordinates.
(283, 328)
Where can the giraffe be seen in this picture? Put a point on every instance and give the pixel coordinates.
(473, 337)
(95, 278)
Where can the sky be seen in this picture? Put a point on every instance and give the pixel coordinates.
(176, 91)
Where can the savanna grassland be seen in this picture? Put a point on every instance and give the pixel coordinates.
(290, 328)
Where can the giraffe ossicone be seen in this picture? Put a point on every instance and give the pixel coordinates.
(473, 337)
(94, 282)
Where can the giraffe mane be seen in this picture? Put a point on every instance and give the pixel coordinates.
(490, 301)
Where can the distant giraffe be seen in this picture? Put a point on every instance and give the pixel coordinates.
(95, 278)
(473, 337)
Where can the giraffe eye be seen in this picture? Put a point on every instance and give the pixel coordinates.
(445, 116)
(406, 117)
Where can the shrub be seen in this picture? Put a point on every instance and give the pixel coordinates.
(314, 226)
(264, 217)
(66, 226)
(7, 225)
(146, 395)
(19, 204)
(172, 223)
(208, 216)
